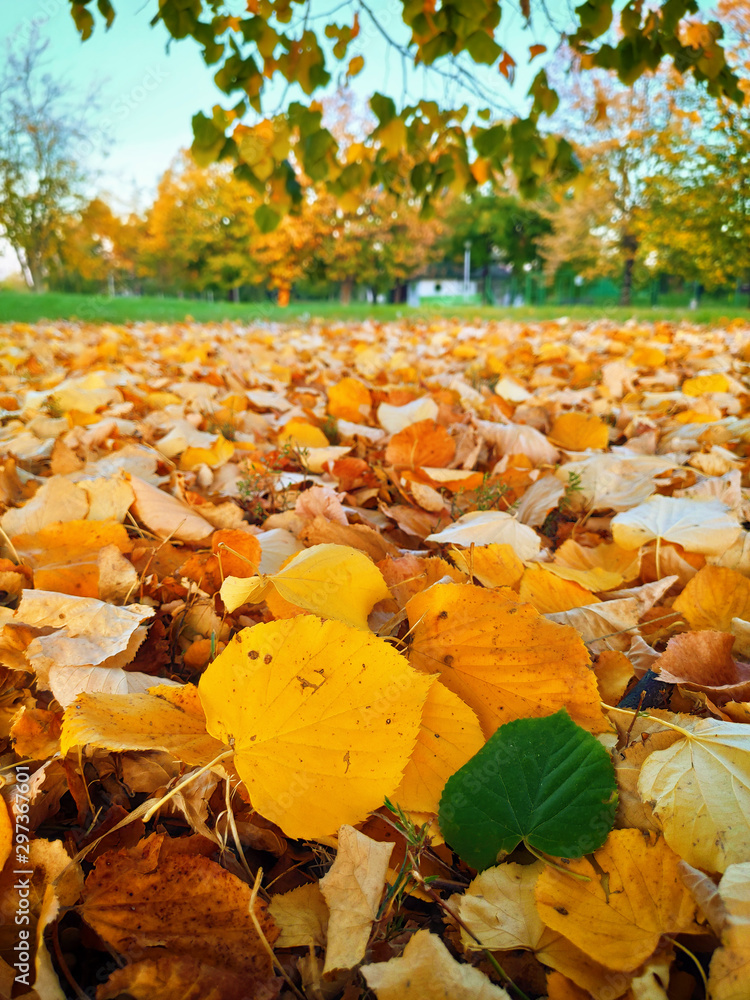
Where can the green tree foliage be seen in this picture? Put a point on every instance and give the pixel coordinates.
(500, 228)
(419, 147)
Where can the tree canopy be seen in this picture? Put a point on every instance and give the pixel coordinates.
(421, 148)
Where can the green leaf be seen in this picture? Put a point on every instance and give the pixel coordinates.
(83, 20)
(383, 107)
(266, 219)
(595, 17)
(483, 48)
(208, 140)
(546, 782)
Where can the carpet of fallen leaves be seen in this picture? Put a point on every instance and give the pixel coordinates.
(257, 580)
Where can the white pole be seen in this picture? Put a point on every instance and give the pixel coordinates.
(467, 266)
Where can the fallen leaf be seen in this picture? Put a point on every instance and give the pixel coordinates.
(697, 525)
(65, 555)
(352, 889)
(449, 735)
(166, 516)
(519, 439)
(146, 897)
(714, 597)
(215, 455)
(6, 834)
(427, 971)
(494, 565)
(561, 802)
(301, 917)
(302, 435)
(699, 790)
(489, 527)
(396, 418)
(349, 399)
(80, 631)
(323, 718)
(137, 722)
(550, 593)
(334, 581)
(633, 897)
(498, 907)
(730, 964)
(701, 384)
(703, 661)
(182, 976)
(423, 443)
(501, 657)
(539, 499)
(607, 557)
(579, 432)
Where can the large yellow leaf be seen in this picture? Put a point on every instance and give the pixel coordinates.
(502, 657)
(632, 897)
(449, 735)
(322, 716)
(699, 790)
(714, 597)
(428, 971)
(333, 581)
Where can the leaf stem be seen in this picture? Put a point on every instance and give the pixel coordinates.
(558, 868)
(699, 967)
(186, 781)
(644, 715)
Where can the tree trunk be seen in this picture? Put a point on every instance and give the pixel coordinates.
(486, 292)
(347, 287)
(629, 247)
(36, 270)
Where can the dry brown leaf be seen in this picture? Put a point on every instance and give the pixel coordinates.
(166, 516)
(148, 897)
(426, 971)
(352, 890)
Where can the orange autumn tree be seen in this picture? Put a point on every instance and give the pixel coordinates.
(91, 249)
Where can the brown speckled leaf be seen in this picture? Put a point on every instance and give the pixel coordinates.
(148, 897)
